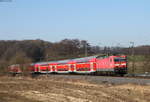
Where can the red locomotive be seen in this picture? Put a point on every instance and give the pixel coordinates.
(92, 64)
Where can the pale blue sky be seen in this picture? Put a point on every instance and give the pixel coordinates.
(101, 22)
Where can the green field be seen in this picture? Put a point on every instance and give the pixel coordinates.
(140, 63)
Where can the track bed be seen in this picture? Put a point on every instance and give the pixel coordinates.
(105, 79)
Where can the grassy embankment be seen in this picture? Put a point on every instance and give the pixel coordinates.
(141, 64)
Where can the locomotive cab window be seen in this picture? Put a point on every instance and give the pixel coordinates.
(119, 60)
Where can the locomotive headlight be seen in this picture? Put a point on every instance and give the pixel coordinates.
(117, 64)
(123, 64)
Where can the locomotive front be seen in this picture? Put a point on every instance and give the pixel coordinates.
(120, 65)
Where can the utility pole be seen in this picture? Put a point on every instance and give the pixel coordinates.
(46, 57)
(133, 59)
(85, 50)
(118, 48)
(99, 48)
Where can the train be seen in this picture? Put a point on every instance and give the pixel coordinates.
(113, 64)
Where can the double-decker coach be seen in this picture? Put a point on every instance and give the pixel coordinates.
(85, 65)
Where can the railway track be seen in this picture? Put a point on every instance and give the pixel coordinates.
(104, 79)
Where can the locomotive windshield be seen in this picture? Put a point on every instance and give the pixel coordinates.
(119, 59)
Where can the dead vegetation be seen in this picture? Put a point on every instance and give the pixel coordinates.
(44, 89)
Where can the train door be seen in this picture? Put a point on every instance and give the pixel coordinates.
(92, 67)
(53, 68)
(38, 69)
(72, 67)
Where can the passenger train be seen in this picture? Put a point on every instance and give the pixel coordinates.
(114, 64)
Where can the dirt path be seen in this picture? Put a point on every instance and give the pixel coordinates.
(43, 89)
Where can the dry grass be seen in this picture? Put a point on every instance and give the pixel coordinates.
(43, 89)
(139, 67)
